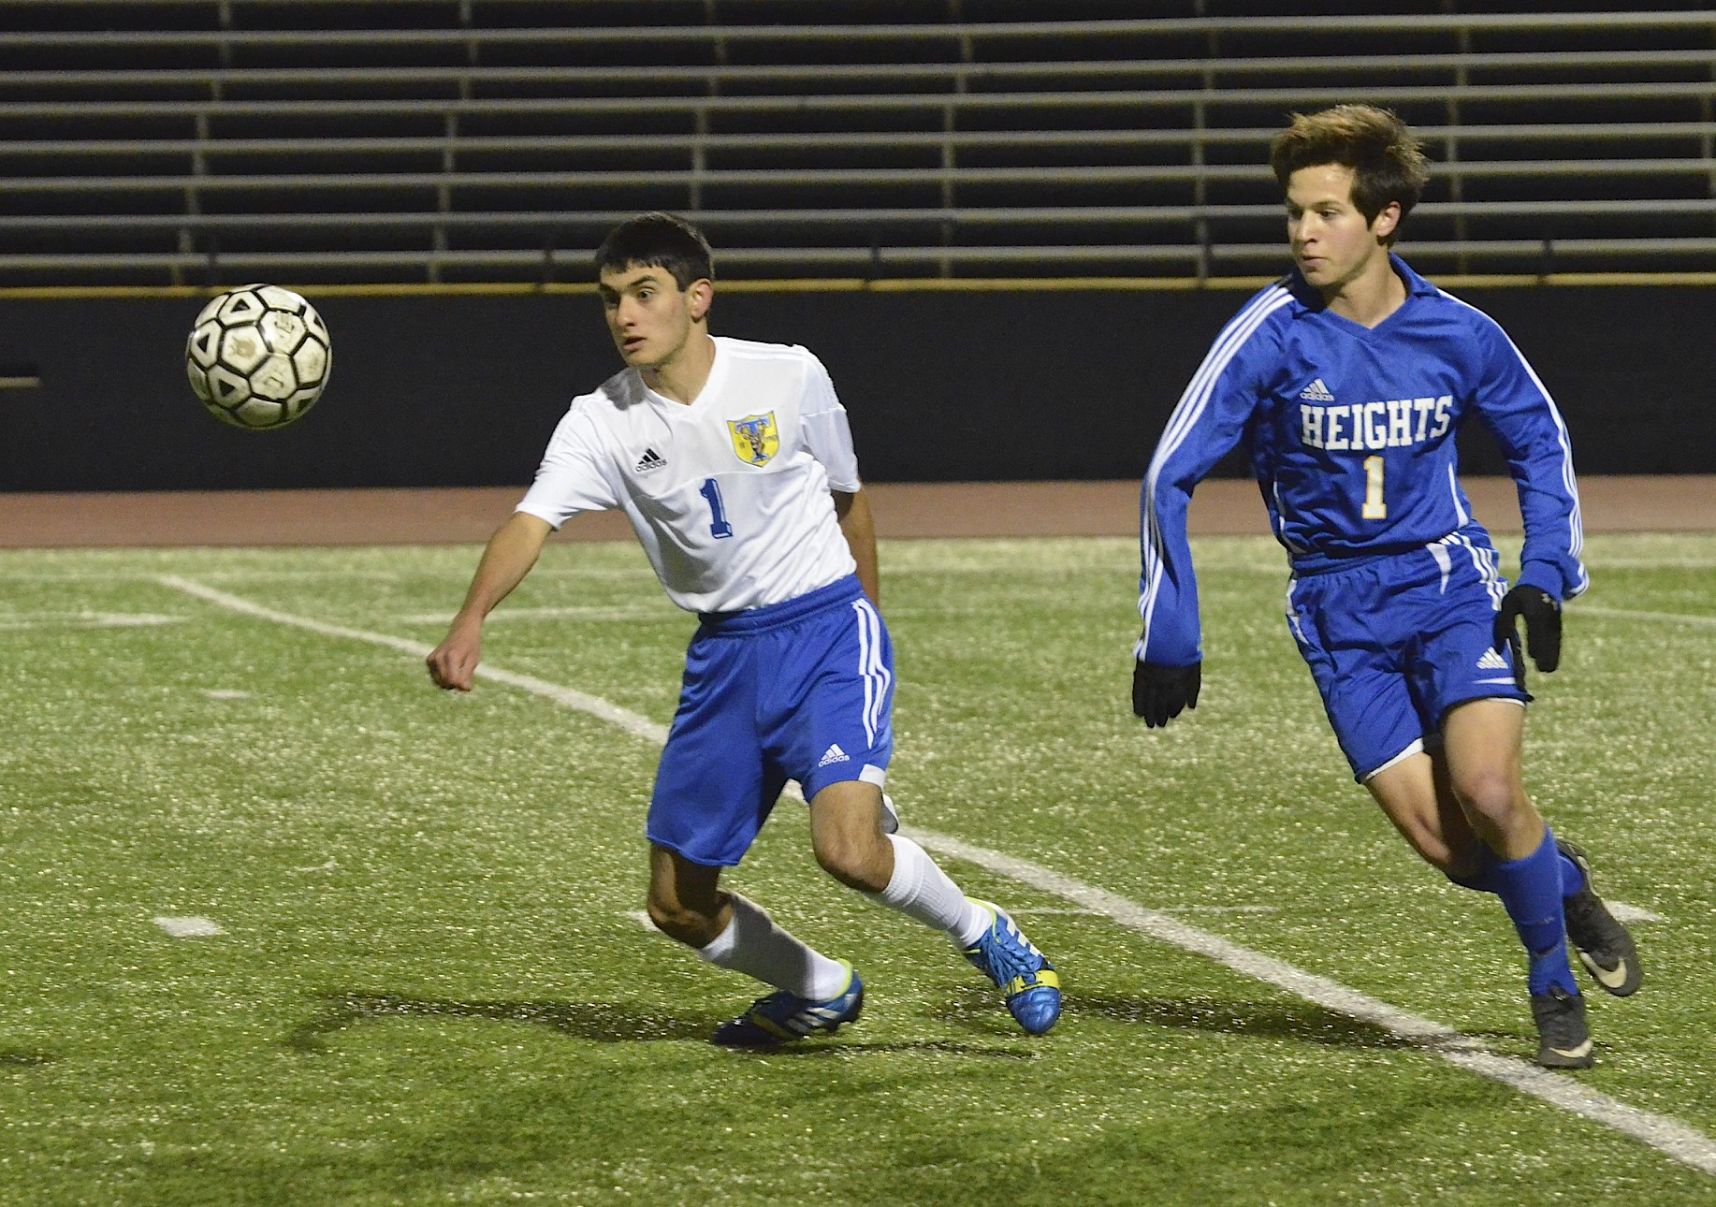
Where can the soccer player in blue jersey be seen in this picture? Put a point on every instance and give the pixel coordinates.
(1345, 382)
(734, 463)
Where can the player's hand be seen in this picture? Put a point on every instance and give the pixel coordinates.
(453, 663)
(1159, 693)
(1542, 614)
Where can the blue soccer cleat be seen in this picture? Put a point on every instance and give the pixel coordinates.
(782, 1017)
(1004, 955)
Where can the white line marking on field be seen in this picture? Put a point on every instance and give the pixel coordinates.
(191, 927)
(640, 916)
(1631, 913)
(1167, 909)
(1667, 1135)
(1704, 622)
(1663, 1133)
(86, 620)
(225, 693)
(569, 612)
(628, 721)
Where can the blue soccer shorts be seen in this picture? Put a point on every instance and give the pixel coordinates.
(1394, 642)
(797, 690)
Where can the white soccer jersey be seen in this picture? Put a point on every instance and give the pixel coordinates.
(729, 495)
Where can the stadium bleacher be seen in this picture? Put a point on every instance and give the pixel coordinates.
(182, 142)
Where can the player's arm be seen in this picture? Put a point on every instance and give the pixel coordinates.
(852, 509)
(1515, 406)
(1206, 425)
(511, 552)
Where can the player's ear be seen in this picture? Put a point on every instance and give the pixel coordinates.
(700, 297)
(1387, 220)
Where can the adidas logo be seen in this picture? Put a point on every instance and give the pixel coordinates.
(834, 755)
(1492, 661)
(650, 460)
(1317, 392)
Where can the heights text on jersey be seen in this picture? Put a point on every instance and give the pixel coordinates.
(728, 495)
(1350, 433)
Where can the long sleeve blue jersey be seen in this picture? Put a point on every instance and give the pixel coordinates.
(1350, 432)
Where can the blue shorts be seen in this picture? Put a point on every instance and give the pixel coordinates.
(798, 690)
(1394, 642)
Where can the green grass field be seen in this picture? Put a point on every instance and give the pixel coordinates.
(432, 985)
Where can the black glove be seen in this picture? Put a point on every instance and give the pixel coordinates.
(1160, 692)
(1542, 613)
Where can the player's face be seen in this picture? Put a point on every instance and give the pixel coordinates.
(648, 315)
(1332, 243)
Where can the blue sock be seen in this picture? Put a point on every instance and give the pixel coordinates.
(1530, 890)
(1484, 879)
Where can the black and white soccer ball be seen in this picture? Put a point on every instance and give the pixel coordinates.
(258, 356)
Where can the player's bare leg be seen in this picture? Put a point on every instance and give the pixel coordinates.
(847, 835)
(814, 993)
(1466, 811)
(1483, 746)
(1415, 796)
(1481, 742)
(685, 899)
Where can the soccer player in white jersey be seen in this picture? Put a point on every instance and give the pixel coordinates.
(734, 463)
(1346, 381)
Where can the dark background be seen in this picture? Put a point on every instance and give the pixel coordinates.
(955, 386)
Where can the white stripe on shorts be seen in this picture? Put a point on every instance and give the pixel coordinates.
(875, 675)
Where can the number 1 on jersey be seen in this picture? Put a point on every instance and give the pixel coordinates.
(718, 525)
(1374, 508)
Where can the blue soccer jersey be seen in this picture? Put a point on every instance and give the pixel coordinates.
(1350, 432)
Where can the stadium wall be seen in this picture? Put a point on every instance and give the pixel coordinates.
(942, 385)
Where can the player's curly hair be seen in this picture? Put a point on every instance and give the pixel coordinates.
(658, 240)
(1387, 159)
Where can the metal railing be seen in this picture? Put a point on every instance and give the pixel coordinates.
(154, 155)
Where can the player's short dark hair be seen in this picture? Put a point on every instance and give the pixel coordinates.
(1386, 158)
(658, 240)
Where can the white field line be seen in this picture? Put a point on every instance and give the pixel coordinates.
(1661, 1132)
(586, 614)
(192, 927)
(569, 612)
(1631, 913)
(1704, 622)
(631, 722)
(86, 620)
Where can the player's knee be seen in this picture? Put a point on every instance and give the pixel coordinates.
(856, 860)
(1491, 793)
(677, 921)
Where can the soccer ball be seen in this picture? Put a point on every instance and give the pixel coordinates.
(258, 356)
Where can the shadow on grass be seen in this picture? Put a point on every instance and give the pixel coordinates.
(604, 1022)
(1302, 1022)
(826, 1047)
(17, 1058)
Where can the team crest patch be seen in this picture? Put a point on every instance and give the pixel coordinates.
(756, 438)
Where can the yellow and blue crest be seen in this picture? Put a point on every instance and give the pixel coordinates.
(756, 438)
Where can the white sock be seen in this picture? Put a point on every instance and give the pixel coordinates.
(919, 889)
(754, 945)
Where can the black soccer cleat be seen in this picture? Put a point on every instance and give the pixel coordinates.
(1563, 1039)
(1601, 943)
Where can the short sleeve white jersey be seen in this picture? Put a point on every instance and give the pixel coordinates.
(728, 495)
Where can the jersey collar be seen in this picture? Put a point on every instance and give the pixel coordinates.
(1308, 301)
